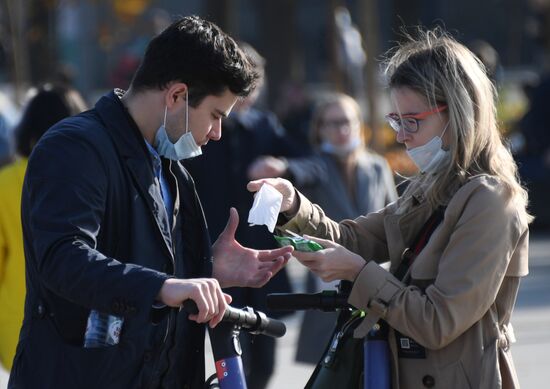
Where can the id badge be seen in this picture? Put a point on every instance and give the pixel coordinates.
(408, 348)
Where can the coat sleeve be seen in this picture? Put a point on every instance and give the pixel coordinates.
(64, 201)
(365, 235)
(471, 270)
(307, 171)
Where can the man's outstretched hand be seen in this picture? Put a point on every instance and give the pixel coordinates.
(235, 265)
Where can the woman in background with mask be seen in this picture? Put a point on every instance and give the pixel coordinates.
(356, 181)
(449, 300)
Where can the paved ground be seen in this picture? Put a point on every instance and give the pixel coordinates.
(531, 318)
(531, 322)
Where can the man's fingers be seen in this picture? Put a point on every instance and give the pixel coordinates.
(202, 306)
(227, 298)
(219, 317)
(214, 297)
(270, 255)
(220, 309)
(265, 273)
(279, 264)
(210, 300)
(261, 279)
(270, 264)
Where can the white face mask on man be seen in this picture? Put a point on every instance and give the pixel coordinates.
(185, 147)
(429, 157)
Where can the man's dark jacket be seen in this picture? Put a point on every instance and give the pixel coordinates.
(97, 236)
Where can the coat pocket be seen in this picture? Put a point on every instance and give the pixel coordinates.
(47, 361)
(454, 376)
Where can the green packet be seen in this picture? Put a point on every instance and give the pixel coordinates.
(299, 243)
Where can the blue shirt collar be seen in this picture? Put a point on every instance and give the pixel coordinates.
(155, 157)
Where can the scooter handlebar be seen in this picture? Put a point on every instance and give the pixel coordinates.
(327, 301)
(252, 321)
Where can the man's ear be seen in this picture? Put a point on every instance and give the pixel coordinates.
(176, 91)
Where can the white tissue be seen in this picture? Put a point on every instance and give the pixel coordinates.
(266, 207)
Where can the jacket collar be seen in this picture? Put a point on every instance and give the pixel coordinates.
(132, 148)
(121, 126)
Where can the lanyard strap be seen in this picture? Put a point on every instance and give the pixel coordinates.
(420, 242)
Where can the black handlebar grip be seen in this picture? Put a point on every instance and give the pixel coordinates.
(294, 301)
(271, 327)
(231, 314)
(255, 322)
(243, 317)
(325, 301)
(191, 307)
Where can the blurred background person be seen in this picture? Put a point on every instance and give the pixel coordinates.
(357, 181)
(351, 56)
(9, 116)
(489, 57)
(130, 42)
(533, 156)
(221, 175)
(294, 107)
(50, 104)
(6, 141)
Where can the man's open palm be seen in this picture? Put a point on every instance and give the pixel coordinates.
(235, 265)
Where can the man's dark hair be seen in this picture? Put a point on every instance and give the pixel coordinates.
(200, 54)
(50, 104)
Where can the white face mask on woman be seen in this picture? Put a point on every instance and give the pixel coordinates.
(429, 157)
(184, 148)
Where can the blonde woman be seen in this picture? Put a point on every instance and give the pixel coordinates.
(456, 298)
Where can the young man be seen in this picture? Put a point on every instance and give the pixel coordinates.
(112, 224)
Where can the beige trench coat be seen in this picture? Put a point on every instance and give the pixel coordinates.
(460, 291)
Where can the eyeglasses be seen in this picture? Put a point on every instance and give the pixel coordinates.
(409, 123)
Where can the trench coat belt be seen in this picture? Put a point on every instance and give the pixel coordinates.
(506, 336)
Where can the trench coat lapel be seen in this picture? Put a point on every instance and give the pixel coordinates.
(404, 227)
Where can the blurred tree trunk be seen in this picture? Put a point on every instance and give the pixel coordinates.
(369, 27)
(280, 44)
(41, 38)
(336, 75)
(18, 62)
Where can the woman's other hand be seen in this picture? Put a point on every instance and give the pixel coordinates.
(334, 262)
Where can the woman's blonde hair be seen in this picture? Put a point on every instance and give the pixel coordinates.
(445, 72)
(325, 102)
